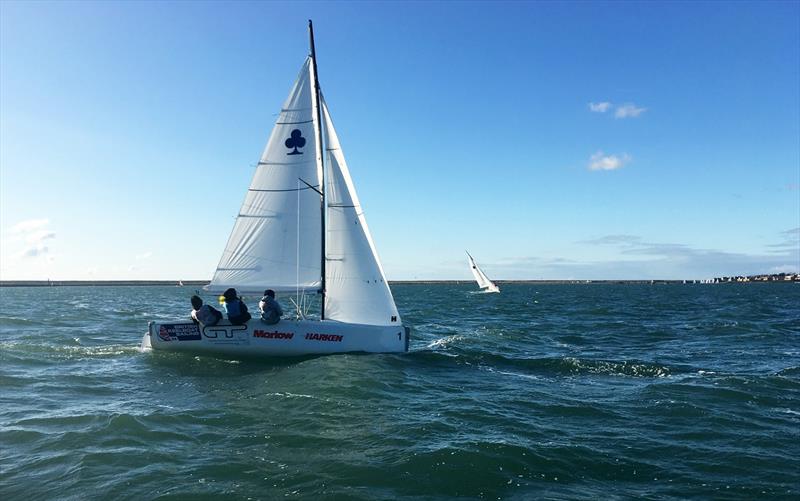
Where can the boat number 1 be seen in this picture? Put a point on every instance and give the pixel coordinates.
(400, 336)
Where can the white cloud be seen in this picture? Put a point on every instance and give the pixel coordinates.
(33, 232)
(29, 225)
(144, 255)
(33, 252)
(628, 110)
(600, 161)
(785, 268)
(600, 107)
(626, 256)
(38, 236)
(614, 239)
(790, 241)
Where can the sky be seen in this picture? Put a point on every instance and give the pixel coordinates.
(553, 140)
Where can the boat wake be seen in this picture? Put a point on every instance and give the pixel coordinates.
(544, 366)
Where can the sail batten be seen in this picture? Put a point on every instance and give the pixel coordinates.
(292, 189)
(294, 123)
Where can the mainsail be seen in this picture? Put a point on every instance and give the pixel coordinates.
(276, 241)
(480, 276)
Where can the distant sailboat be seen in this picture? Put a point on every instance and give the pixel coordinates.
(484, 283)
(301, 230)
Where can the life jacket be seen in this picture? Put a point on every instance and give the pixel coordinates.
(233, 307)
(271, 310)
(237, 312)
(207, 315)
(270, 317)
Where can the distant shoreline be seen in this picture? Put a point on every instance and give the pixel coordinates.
(202, 283)
(99, 283)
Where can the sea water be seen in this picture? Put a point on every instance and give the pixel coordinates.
(542, 391)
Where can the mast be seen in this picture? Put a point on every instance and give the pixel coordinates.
(320, 163)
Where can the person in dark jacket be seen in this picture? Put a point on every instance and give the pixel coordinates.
(203, 313)
(271, 310)
(236, 309)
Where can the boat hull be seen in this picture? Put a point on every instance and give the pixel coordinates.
(286, 338)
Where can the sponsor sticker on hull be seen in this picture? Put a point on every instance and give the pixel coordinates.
(226, 335)
(335, 338)
(179, 332)
(272, 335)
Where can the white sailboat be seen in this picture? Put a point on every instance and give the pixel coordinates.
(484, 283)
(300, 231)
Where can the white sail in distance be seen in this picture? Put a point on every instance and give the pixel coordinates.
(276, 239)
(357, 290)
(480, 276)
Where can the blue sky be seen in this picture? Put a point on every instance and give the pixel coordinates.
(554, 140)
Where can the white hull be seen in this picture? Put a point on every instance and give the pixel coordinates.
(286, 338)
(493, 288)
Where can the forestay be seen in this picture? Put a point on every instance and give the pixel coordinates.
(276, 240)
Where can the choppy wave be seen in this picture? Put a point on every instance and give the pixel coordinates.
(545, 391)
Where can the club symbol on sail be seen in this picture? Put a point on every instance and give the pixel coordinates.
(296, 141)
